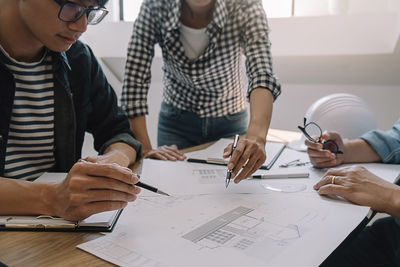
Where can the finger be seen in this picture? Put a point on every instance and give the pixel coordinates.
(249, 158)
(327, 164)
(90, 159)
(326, 135)
(312, 153)
(168, 155)
(227, 151)
(239, 165)
(330, 177)
(333, 189)
(172, 154)
(171, 149)
(113, 171)
(330, 136)
(108, 195)
(236, 155)
(338, 171)
(313, 145)
(102, 183)
(255, 167)
(155, 155)
(323, 161)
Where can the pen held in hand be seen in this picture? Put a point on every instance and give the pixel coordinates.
(150, 188)
(229, 172)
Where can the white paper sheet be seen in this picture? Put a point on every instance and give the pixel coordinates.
(228, 230)
(274, 222)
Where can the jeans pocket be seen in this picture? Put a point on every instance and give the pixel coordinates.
(169, 112)
(241, 115)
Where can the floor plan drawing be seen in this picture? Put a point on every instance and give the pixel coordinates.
(241, 230)
(209, 228)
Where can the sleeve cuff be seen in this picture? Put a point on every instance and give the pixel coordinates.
(124, 138)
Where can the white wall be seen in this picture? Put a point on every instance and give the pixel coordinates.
(321, 7)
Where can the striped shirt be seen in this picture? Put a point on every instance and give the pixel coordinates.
(30, 147)
(210, 85)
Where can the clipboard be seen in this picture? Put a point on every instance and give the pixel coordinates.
(100, 222)
(55, 224)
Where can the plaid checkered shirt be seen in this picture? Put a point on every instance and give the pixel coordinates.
(210, 85)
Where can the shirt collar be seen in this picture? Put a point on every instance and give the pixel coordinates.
(219, 15)
(174, 19)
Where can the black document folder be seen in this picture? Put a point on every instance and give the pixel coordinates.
(100, 222)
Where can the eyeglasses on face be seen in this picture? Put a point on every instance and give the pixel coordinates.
(71, 12)
(312, 130)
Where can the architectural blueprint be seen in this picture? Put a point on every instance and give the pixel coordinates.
(210, 230)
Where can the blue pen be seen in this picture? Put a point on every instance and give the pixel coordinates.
(229, 172)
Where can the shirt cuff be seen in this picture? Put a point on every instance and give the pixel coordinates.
(124, 138)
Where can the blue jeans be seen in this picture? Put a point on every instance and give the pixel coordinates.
(186, 129)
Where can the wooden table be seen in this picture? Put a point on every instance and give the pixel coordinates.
(51, 248)
(47, 249)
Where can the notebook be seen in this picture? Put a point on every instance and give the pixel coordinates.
(100, 222)
(213, 154)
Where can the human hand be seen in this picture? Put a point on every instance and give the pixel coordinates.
(91, 188)
(247, 150)
(119, 153)
(165, 153)
(114, 157)
(323, 158)
(359, 186)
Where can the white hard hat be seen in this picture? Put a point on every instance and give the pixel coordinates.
(347, 114)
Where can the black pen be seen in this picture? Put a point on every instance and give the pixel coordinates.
(150, 188)
(229, 172)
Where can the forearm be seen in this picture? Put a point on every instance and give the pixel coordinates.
(393, 206)
(19, 197)
(261, 101)
(121, 153)
(356, 151)
(139, 128)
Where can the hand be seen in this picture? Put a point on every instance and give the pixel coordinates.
(115, 157)
(91, 188)
(165, 153)
(247, 150)
(359, 186)
(119, 153)
(323, 158)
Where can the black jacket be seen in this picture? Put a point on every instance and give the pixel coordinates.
(84, 101)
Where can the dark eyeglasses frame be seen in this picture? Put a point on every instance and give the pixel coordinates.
(85, 10)
(326, 144)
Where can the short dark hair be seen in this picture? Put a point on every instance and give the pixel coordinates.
(101, 2)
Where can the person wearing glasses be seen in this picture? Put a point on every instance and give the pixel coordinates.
(379, 244)
(52, 90)
(204, 98)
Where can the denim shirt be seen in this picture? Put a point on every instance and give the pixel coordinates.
(387, 145)
(84, 102)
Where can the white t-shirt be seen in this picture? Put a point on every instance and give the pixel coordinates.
(194, 41)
